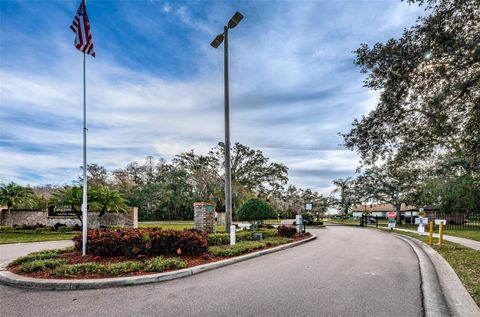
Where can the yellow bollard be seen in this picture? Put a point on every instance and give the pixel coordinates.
(440, 233)
(430, 237)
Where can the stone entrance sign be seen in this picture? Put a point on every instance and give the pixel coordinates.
(204, 216)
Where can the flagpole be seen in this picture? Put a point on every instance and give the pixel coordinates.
(84, 201)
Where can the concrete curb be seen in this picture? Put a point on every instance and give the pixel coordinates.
(443, 292)
(9, 278)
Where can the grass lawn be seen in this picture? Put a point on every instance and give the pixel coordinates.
(465, 262)
(467, 234)
(344, 222)
(19, 237)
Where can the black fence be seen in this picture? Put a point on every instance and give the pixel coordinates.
(453, 221)
(458, 221)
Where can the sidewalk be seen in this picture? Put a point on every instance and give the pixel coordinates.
(472, 244)
(12, 251)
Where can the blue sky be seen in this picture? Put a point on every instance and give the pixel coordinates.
(156, 86)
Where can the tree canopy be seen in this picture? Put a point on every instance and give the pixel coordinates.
(429, 84)
(255, 210)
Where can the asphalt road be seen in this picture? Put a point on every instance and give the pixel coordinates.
(346, 271)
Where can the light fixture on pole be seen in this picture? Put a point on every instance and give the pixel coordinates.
(223, 37)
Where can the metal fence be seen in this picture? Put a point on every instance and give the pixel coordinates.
(458, 221)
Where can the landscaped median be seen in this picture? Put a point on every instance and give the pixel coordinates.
(135, 256)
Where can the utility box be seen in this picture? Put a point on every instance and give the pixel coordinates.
(299, 223)
(257, 236)
(204, 213)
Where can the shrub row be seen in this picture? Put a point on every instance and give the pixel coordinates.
(158, 264)
(245, 235)
(39, 228)
(40, 265)
(42, 255)
(246, 246)
(143, 241)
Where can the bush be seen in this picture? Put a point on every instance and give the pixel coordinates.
(218, 238)
(255, 210)
(75, 269)
(268, 233)
(6, 228)
(44, 229)
(245, 246)
(237, 249)
(42, 255)
(285, 231)
(160, 264)
(316, 223)
(66, 229)
(58, 225)
(35, 257)
(143, 241)
(40, 265)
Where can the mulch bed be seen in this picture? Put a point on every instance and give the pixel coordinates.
(76, 257)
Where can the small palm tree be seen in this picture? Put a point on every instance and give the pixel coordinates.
(14, 196)
(108, 200)
(71, 197)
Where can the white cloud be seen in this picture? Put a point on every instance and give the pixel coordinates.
(293, 87)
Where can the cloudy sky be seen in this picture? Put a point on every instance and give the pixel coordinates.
(156, 86)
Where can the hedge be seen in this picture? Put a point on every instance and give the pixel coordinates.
(285, 231)
(143, 241)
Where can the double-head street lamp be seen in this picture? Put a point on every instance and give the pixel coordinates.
(223, 37)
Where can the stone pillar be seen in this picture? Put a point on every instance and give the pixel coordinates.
(221, 218)
(204, 216)
(131, 220)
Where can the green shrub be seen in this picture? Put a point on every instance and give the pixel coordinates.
(218, 238)
(40, 265)
(237, 249)
(122, 268)
(6, 228)
(35, 257)
(42, 255)
(267, 233)
(255, 210)
(245, 235)
(160, 264)
(277, 240)
(66, 229)
(43, 229)
(113, 269)
(75, 269)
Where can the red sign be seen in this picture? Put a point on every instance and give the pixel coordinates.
(391, 214)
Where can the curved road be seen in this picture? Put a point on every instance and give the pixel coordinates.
(346, 271)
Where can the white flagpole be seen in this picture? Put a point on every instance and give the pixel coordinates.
(84, 202)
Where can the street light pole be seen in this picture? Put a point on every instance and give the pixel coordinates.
(237, 17)
(228, 176)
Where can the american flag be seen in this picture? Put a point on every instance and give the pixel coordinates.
(81, 27)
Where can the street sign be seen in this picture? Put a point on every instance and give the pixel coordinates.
(421, 220)
(391, 214)
(438, 221)
(392, 222)
(308, 206)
